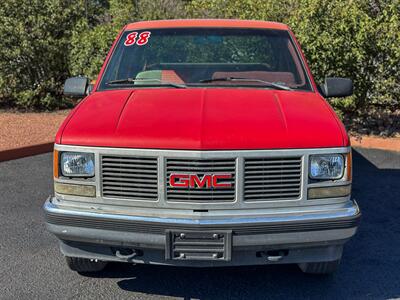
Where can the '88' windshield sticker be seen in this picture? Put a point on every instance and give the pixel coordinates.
(135, 38)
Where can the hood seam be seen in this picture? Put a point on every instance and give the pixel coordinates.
(282, 114)
(122, 110)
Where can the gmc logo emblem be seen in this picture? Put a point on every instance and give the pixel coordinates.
(194, 181)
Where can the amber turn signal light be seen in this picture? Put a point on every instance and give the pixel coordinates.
(55, 164)
(349, 165)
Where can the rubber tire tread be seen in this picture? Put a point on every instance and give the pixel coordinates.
(84, 265)
(326, 267)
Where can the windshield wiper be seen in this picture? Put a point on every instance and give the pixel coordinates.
(271, 84)
(145, 82)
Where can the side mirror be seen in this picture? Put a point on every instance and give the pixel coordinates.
(336, 87)
(76, 87)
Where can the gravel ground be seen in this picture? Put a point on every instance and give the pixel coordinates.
(32, 267)
(25, 129)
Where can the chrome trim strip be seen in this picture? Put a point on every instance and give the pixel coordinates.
(203, 153)
(240, 181)
(350, 210)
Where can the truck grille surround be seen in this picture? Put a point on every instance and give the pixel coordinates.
(263, 178)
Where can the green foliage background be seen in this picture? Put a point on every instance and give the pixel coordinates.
(42, 42)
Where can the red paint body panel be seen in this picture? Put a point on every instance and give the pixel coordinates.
(204, 119)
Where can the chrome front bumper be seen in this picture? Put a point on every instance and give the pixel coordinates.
(306, 237)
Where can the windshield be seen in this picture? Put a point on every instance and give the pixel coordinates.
(205, 57)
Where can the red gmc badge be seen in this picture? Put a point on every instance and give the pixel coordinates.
(195, 181)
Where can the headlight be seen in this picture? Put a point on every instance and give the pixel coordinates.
(75, 164)
(327, 166)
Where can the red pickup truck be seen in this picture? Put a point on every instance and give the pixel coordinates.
(203, 143)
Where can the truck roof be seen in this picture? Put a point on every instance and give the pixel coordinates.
(206, 23)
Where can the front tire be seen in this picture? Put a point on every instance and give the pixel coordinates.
(85, 265)
(326, 267)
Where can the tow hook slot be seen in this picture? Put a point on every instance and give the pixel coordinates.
(127, 253)
(273, 255)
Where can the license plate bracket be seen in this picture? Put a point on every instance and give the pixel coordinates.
(198, 245)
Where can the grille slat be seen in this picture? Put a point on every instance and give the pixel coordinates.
(277, 196)
(124, 188)
(269, 179)
(274, 171)
(257, 176)
(274, 167)
(213, 162)
(198, 192)
(131, 166)
(201, 167)
(130, 180)
(255, 182)
(261, 186)
(129, 194)
(260, 193)
(132, 184)
(272, 161)
(128, 160)
(203, 198)
(130, 177)
(121, 175)
(129, 170)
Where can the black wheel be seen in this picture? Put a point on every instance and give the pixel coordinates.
(326, 267)
(85, 265)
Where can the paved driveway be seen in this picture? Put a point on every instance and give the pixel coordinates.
(31, 266)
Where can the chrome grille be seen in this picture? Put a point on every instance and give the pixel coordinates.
(129, 177)
(200, 167)
(268, 179)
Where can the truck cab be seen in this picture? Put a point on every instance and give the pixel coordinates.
(203, 143)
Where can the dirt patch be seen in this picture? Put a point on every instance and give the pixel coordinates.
(374, 142)
(26, 129)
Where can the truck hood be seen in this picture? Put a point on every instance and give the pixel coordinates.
(203, 119)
